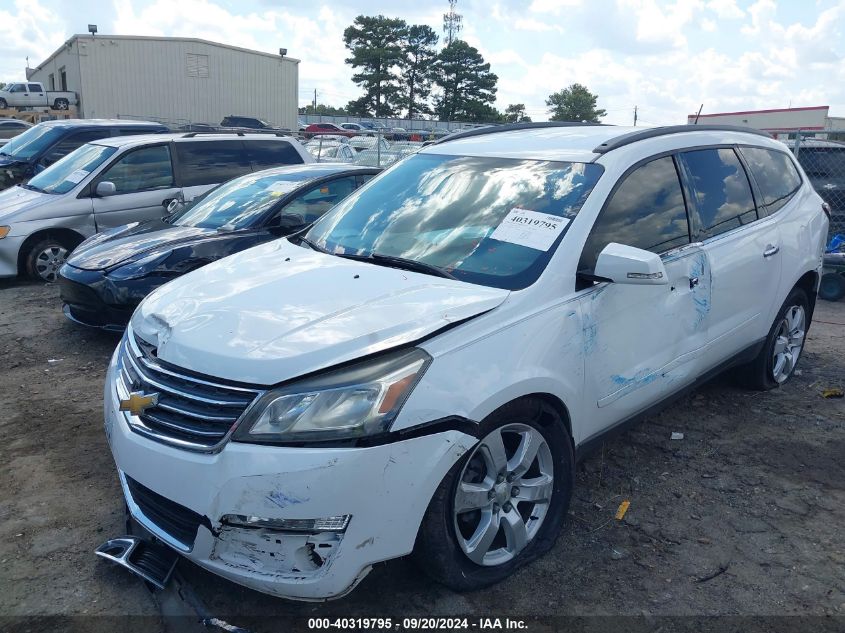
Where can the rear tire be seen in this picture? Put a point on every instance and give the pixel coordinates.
(513, 510)
(776, 362)
(832, 287)
(61, 104)
(45, 257)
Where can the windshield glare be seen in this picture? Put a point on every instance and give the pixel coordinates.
(491, 221)
(32, 142)
(239, 203)
(64, 175)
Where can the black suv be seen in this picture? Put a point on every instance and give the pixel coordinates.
(824, 163)
(42, 145)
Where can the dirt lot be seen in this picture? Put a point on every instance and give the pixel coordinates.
(744, 516)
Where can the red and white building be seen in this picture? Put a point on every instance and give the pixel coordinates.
(778, 122)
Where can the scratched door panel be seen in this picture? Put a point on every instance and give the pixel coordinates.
(645, 342)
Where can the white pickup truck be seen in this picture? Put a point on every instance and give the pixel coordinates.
(32, 94)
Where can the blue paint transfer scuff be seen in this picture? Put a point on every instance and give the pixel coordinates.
(283, 499)
(642, 377)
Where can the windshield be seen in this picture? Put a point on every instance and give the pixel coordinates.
(238, 203)
(490, 221)
(32, 142)
(64, 175)
(823, 162)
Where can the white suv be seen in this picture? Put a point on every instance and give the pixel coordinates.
(421, 369)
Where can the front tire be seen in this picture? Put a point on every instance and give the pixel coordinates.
(776, 362)
(45, 258)
(502, 505)
(3, 104)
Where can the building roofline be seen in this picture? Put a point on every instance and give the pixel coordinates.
(804, 109)
(160, 38)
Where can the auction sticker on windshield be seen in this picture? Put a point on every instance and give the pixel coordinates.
(281, 187)
(76, 176)
(530, 228)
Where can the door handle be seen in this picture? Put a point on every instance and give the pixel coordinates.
(693, 282)
(771, 250)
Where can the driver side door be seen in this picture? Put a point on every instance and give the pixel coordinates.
(143, 180)
(641, 342)
(312, 203)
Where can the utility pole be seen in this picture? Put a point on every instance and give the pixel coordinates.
(315, 101)
(452, 23)
(635, 116)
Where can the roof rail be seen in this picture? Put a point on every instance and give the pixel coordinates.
(204, 133)
(509, 127)
(652, 132)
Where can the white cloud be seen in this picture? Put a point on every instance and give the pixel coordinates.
(552, 6)
(27, 29)
(530, 24)
(725, 9)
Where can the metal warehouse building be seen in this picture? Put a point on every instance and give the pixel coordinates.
(173, 79)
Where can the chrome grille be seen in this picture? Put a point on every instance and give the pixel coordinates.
(192, 412)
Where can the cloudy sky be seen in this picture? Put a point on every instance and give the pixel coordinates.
(665, 57)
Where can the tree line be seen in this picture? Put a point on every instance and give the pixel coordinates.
(402, 73)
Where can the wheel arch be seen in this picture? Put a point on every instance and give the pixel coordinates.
(809, 283)
(68, 237)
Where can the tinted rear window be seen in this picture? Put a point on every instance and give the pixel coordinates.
(271, 153)
(211, 162)
(723, 198)
(775, 175)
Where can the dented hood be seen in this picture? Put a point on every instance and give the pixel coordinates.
(278, 311)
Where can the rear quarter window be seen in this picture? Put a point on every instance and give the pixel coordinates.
(775, 174)
(265, 154)
(211, 162)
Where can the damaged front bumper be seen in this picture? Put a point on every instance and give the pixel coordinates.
(300, 523)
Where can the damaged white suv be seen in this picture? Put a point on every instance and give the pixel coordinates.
(421, 369)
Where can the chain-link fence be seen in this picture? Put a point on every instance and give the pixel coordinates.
(372, 150)
(822, 155)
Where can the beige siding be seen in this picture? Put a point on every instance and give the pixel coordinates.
(156, 78)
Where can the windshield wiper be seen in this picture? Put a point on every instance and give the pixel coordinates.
(312, 245)
(402, 262)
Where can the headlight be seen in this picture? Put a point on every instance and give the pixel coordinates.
(4, 231)
(139, 268)
(356, 401)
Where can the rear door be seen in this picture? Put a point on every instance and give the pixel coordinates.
(37, 96)
(742, 247)
(642, 343)
(144, 181)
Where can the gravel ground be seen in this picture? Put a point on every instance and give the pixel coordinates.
(742, 517)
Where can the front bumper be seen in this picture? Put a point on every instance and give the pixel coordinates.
(384, 489)
(92, 299)
(10, 247)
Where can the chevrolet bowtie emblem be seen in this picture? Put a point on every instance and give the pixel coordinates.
(138, 401)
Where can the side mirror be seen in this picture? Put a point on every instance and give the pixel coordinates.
(105, 189)
(288, 222)
(628, 265)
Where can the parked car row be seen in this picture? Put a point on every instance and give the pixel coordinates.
(111, 180)
(321, 376)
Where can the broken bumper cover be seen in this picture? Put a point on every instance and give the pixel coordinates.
(384, 490)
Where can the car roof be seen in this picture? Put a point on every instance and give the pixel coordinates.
(583, 143)
(143, 139)
(101, 123)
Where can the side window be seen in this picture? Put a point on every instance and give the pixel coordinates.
(315, 202)
(723, 199)
(775, 175)
(265, 154)
(18, 88)
(362, 178)
(211, 162)
(646, 211)
(142, 170)
(35, 88)
(71, 142)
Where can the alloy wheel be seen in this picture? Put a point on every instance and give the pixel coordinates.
(503, 494)
(48, 262)
(789, 342)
